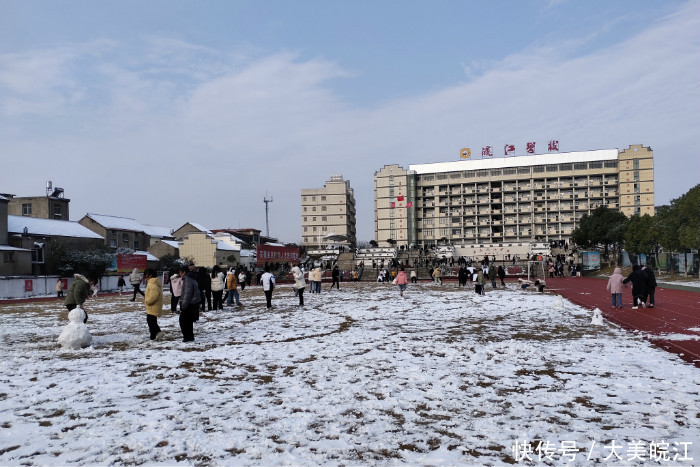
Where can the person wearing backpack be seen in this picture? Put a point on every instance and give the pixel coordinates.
(268, 282)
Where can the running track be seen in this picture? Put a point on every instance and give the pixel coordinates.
(675, 312)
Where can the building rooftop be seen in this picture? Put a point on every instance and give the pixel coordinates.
(117, 223)
(48, 227)
(516, 161)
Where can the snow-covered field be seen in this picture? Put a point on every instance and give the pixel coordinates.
(359, 376)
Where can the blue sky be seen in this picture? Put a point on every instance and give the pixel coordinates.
(176, 111)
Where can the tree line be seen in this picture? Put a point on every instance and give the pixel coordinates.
(674, 229)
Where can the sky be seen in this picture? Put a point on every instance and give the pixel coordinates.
(181, 111)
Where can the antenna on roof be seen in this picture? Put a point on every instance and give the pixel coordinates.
(267, 218)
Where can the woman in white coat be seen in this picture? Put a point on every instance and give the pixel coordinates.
(299, 283)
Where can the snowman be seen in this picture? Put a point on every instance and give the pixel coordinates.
(597, 318)
(75, 335)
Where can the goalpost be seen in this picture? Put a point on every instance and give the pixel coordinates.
(535, 269)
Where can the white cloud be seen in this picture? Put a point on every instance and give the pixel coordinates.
(230, 124)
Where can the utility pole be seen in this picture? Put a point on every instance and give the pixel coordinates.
(267, 217)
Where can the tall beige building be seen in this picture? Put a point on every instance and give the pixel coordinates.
(507, 200)
(328, 211)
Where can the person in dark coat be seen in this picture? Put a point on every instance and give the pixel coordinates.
(502, 275)
(462, 275)
(189, 303)
(335, 275)
(638, 279)
(78, 293)
(650, 285)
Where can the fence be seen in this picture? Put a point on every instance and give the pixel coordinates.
(13, 287)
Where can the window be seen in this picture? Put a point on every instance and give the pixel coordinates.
(38, 254)
(304, 208)
(538, 169)
(523, 170)
(313, 219)
(595, 165)
(636, 187)
(305, 218)
(482, 173)
(443, 220)
(444, 232)
(391, 180)
(552, 168)
(112, 242)
(637, 199)
(610, 164)
(313, 208)
(323, 208)
(391, 213)
(391, 192)
(306, 229)
(636, 176)
(392, 235)
(136, 244)
(125, 239)
(57, 211)
(564, 167)
(495, 172)
(580, 166)
(313, 198)
(27, 209)
(324, 228)
(314, 229)
(456, 231)
(303, 198)
(509, 171)
(323, 198)
(428, 232)
(323, 218)
(8, 256)
(635, 164)
(392, 225)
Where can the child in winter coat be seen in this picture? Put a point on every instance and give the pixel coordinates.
(615, 286)
(401, 280)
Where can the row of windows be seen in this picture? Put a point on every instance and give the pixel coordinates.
(313, 219)
(27, 210)
(313, 208)
(521, 170)
(315, 229)
(313, 198)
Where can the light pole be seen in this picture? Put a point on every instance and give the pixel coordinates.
(267, 217)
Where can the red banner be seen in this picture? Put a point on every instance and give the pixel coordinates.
(28, 285)
(276, 254)
(127, 263)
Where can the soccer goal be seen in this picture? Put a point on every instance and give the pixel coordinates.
(536, 270)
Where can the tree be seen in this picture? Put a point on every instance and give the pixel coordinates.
(374, 243)
(92, 263)
(603, 228)
(642, 236)
(391, 242)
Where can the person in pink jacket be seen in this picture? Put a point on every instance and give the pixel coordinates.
(401, 280)
(615, 288)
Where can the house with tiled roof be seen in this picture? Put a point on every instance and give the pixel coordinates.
(118, 232)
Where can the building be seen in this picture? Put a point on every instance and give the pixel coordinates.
(508, 200)
(47, 239)
(203, 249)
(118, 232)
(52, 206)
(328, 211)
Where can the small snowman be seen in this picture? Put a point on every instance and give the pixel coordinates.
(75, 334)
(597, 317)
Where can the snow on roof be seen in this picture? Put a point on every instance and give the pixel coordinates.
(172, 243)
(49, 227)
(11, 248)
(157, 231)
(149, 257)
(199, 227)
(221, 245)
(519, 161)
(117, 223)
(247, 253)
(274, 244)
(2, 198)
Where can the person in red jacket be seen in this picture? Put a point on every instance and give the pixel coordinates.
(401, 280)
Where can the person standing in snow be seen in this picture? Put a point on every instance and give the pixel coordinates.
(232, 288)
(492, 275)
(650, 285)
(242, 279)
(480, 285)
(335, 275)
(299, 283)
(217, 287)
(502, 275)
(615, 286)
(401, 280)
(59, 288)
(121, 283)
(437, 276)
(153, 299)
(135, 279)
(268, 282)
(189, 303)
(638, 279)
(175, 290)
(414, 276)
(78, 293)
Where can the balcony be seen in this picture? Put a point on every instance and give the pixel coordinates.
(495, 190)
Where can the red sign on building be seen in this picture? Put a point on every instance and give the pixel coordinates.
(127, 263)
(28, 285)
(276, 254)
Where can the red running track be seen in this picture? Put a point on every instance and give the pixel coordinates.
(675, 312)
